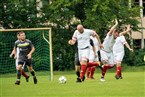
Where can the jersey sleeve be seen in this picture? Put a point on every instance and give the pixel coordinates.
(122, 39)
(92, 33)
(31, 45)
(16, 43)
(74, 37)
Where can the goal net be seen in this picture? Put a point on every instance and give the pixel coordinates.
(42, 57)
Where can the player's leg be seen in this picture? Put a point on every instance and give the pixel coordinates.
(83, 68)
(91, 60)
(92, 72)
(118, 59)
(77, 67)
(111, 62)
(31, 70)
(83, 57)
(24, 73)
(104, 59)
(88, 71)
(19, 72)
(118, 71)
(96, 59)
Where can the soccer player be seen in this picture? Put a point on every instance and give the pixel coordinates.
(25, 56)
(77, 62)
(93, 57)
(118, 50)
(16, 56)
(82, 36)
(107, 51)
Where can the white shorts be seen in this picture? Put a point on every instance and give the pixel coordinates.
(107, 57)
(92, 57)
(118, 57)
(17, 64)
(84, 54)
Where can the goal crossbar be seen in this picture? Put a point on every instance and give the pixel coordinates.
(24, 29)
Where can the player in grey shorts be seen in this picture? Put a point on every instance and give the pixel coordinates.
(25, 56)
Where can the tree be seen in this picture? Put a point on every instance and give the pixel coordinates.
(19, 14)
(94, 14)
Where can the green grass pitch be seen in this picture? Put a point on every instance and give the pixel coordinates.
(132, 85)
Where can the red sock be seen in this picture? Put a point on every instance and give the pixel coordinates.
(104, 71)
(110, 66)
(24, 74)
(92, 72)
(90, 64)
(88, 71)
(83, 70)
(118, 70)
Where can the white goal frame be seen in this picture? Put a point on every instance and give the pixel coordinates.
(50, 43)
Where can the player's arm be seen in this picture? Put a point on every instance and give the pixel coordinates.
(71, 42)
(127, 45)
(74, 39)
(32, 50)
(127, 30)
(93, 47)
(113, 27)
(99, 41)
(13, 53)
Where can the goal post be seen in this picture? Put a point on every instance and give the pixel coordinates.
(42, 40)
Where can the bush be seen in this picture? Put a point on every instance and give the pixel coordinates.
(134, 58)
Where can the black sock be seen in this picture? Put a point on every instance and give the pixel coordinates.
(78, 73)
(33, 73)
(18, 74)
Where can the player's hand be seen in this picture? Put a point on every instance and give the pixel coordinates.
(70, 42)
(11, 55)
(131, 50)
(101, 46)
(15, 57)
(95, 55)
(29, 56)
(129, 28)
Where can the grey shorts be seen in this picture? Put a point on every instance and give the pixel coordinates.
(24, 60)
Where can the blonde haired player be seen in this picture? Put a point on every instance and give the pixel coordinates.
(118, 50)
(82, 36)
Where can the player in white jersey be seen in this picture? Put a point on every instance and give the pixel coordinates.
(107, 52)
(82, 36)
(93, 57)
(118, 51)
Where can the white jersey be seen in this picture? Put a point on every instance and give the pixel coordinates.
(108, 43)
(83, 39)
(96, 44)
(17, 54)
(119, 44)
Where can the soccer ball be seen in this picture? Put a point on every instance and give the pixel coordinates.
(62, 80)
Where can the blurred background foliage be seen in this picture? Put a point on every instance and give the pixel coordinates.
(64, 15)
